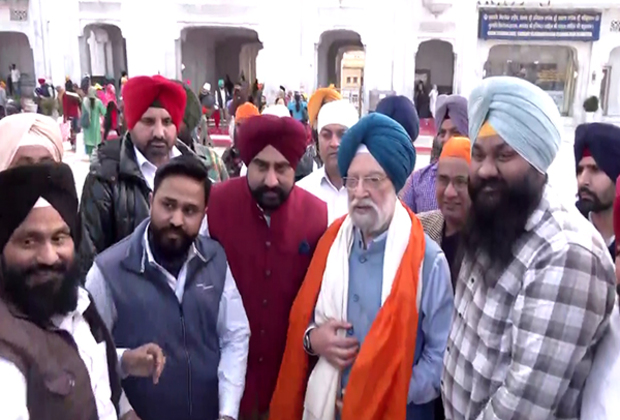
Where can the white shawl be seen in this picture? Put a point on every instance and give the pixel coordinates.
(324, 382)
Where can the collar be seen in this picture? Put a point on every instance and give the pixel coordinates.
(143, 161)
(324, 179)
(359, 240)
(611, 240)
(64, 321)
(148, 254)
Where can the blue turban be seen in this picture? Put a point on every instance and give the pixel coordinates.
(522, 114)
(386, 140)
(602, 142)
(402, 110)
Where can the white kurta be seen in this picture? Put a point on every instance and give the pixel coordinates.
(319, 185)
(601, 396)
(13, 385)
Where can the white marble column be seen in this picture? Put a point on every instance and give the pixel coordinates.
(97, 43)
(109, 59)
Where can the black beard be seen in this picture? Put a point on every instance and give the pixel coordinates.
(39, 303)
(269, 204)
(591, 204)
(166, 249)
(494, 228)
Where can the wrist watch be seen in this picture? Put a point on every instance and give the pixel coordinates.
(307, 345)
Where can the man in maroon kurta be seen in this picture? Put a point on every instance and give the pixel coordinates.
(269, 229)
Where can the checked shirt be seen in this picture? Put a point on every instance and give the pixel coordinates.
(521, 344)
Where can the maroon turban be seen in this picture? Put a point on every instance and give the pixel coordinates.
(285, 134)
(142, 92)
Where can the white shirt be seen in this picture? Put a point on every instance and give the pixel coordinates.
(233, 327)
(319, 185)
(601, 396)
(15, 75)
(148, 169)
(13, 385)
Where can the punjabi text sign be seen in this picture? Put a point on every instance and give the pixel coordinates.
(539, 25)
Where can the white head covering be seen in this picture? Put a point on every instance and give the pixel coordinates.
(340, 112)
(277, 110)
(28, 129)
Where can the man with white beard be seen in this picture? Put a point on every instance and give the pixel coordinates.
(376, 301)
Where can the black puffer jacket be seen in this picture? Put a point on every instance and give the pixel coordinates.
(115, 198)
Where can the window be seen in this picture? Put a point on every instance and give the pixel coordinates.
(552, 68)
(348, 79)
(355, 80)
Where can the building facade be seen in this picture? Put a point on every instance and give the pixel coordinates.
(299, 44)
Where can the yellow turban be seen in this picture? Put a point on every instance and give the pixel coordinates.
(246, 111)
(318, 99)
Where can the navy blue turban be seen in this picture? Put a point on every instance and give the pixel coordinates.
(402, 110)
(386, 140)
(602, 142)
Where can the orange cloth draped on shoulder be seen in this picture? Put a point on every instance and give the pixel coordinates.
(379, 380)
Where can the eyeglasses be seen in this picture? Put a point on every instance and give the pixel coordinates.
(370, 183)
(458, 183)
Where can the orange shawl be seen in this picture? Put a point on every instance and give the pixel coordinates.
(379, 380)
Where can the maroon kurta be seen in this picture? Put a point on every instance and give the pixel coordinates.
(269, 263)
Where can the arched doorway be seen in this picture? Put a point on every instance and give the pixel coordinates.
(15, 49)
(340, 61)
(434, 65)
(103, 52)
(212, 53)
(613, 77)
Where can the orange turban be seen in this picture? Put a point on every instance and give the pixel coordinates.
(318, 99)
(246, 111)
(142, 92)
(458, 147)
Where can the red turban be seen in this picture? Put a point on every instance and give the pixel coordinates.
(285, 134)
(139, 94)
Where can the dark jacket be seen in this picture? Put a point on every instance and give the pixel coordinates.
(57, 380)
(148, 310)
(115, 198)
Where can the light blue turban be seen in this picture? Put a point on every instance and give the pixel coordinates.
(522, 114)
(386, 140)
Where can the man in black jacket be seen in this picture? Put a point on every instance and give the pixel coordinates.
(116, 191)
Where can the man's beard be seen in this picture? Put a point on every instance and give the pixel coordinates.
(493, 228)
(591, 203)
(372, 220)
(157, 147)
(269, 198)
(58, 295)
(166, 247)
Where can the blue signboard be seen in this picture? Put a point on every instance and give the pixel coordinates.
(539, 25)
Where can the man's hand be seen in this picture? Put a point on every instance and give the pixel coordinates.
(338, 351)
(145, 361)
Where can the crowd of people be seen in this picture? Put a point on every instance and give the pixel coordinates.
(309, 274)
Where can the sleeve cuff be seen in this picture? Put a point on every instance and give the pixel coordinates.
(119, 354)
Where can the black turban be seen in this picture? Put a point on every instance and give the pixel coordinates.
(21, 188)
(602, 142)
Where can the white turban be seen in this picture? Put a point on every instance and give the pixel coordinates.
(340, 112)
(277, 110)
(521, 113)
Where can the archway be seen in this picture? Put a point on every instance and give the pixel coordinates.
(212, 53)
(15, 49)
(434, 65)
(613, 101)
(103, 51)
(341, 61)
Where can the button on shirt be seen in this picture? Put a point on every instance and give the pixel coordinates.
(13, 384)
(523, 338)
(319, 185)
(148, 169)
(232, 325)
